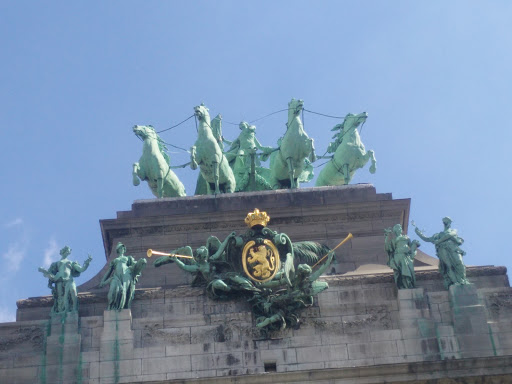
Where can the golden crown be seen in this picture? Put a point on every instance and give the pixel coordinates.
(257, 218)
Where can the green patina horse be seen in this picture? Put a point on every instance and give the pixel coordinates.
(291, 164)
(207, 154)
(154, 165)
(349, 153)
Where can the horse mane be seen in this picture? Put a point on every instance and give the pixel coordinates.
(333, 146)
(161, 145)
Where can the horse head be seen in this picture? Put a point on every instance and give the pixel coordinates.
(295, 107)
(353, 121)
(201, 113)
(144, 131)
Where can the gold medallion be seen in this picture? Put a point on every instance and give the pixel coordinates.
(261, 262)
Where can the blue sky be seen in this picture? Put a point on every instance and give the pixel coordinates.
(435, 78)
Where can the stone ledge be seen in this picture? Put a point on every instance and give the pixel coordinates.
(468, 371)
(187, 291)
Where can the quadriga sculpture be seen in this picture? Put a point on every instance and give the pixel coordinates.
(289, 166)
(207, 154)
(349, 153)
(153, 165)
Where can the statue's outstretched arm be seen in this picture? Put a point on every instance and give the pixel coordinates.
(192, 268)
(423, 237)
(81, 269)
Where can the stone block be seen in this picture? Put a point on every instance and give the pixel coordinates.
(427, 347)
(90, 356)
(26, 360)
(389, 360)
(217, 361)
(438, 297)
(321, 353)
(448, 347)
(411, 294)
(94, 370)
(445, 330)
(475, 342)
(67, 373)
(16, 375)
(117, 316)
(116, 350)
(63, 354)
(149, 352)
(372, 350)
(386, 334)
(280, 356)
(120, 368)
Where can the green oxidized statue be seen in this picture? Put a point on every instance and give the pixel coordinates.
(154, 165)
(291, 164)
(207, 154)
(448, 251)
(60, 280)
(245, 161)
(348, 151)
(276, 276)
(122, 275)
(209, 268)
(401, 252)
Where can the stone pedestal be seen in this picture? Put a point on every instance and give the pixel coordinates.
(419, 341)
(63, 350)
(116, 349)
(470, 322)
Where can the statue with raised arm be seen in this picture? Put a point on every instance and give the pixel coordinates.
(60, 280)
(450, 254)
(401, 253)
(122, 275)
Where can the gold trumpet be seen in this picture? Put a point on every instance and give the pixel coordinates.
(336, 247)
(150, 253)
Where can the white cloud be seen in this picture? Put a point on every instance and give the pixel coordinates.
(51, 253)
(6, 316)
(14, 256)
(14, 223)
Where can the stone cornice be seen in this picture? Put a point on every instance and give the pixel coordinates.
(187, 291)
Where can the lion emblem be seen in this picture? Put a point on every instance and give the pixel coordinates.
(261, 261)
(264, 260)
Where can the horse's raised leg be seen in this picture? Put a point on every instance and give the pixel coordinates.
(312, 155)
(193, 162)
(289, 161)
(373, 167)
(136, 169)
(216, 177)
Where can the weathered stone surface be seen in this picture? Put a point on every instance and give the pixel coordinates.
(361, 330)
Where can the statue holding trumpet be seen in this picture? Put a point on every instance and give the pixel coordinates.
(250, 265)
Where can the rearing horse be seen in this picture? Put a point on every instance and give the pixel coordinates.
(349, 153)
(153, 165)
(289, 165)
(207, 154)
